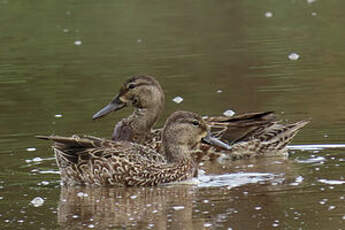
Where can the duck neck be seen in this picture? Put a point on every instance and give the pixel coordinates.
(137, 127)
(143, 119)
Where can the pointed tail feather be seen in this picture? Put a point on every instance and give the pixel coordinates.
(278, 136)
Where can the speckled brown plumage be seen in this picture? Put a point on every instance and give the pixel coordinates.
(92, 160)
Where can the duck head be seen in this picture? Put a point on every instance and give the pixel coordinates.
(183, 132)
(142, 92)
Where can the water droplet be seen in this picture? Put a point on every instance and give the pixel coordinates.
(43, 183)
(133, 197)
(293, 56)
(78, 43)
(178, 99)
(81, 194)
(299, 179)
(177, 208)
(207, 225)
(332, 182)
(258, 208)
(58, 115)
(37, 202)
(331, 207)
(268, 14)
(229, 113)
(37, 159)
(31, 149)
(91, 226)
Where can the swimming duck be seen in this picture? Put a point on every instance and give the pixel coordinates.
(250, 134)
(96, 161)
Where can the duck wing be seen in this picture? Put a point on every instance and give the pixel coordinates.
(239, 127)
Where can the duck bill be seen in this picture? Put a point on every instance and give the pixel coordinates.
(114, 105)
(214, 141)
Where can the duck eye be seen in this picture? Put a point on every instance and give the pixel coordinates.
(131, 86)
(196, 123)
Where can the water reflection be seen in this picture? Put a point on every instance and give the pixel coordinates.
(104, 207)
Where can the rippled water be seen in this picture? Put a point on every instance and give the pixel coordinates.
(60, 61)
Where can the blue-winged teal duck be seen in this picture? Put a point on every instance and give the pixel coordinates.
(250, 134)
(91, 160)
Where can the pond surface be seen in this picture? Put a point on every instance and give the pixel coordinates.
(61, 61)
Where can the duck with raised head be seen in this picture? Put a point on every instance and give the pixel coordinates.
(95, 161)
(250, 134)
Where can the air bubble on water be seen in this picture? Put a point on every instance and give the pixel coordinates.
(311, 1)
(293, 56)
(58, 115)
(207, 225)
(229, 113)
(36, 159)
(268, 14)
(81, 194)
(323, 201)
(331, 207)
(77, 43)
(178, 100)
(43, 183)
(299, 179)
(37, 202)
(65, 30)
(91, 226)
(177, 208)
(332, 182)
(313, 14)
(258, 208)
(31, 149)
(219, 91)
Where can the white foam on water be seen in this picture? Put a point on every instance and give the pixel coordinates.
(235, 179)
(312, 160)
(178, 100)
(333, 182)
(315, 147)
